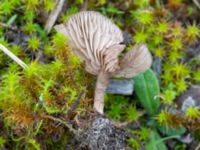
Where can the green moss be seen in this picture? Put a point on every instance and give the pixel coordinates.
(132, 114)
(49, 5)
(162, 27)
(6, 7)
(31, 4)
(140, 37)
(192, 112)
(176, 44)
(47, 89)
(197, 75)
(34, 43)
(145, 17)
(30, 28)
(192, 31)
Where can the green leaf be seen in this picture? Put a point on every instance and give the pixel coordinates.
(147, 89)
(156, 143)
(172, 131)
(11, 20)
(41, 32)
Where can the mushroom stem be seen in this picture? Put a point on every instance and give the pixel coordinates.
(101, 85)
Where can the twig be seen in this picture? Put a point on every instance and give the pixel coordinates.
(62, 122)
(54, 15)
(75, 104)
(71, 75)
(196, 3)
(13, 57)
(198, 147)
(8, 27)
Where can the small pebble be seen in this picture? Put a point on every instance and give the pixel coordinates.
(191, 97)
(123, 87)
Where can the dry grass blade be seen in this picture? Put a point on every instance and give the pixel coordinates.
(54, 15)
(196, 3)
(13, 57)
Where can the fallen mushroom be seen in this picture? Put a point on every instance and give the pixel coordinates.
(98, 42)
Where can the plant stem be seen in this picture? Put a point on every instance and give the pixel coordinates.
(101, 85)
(69, 126)
(8, 26)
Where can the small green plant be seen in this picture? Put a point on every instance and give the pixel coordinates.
(162, 27)
(30, 28)
(180, 71)
(132, 114)
(48, 50)
(142, 3)
(159, 52)
(49, 5)
(163, 117)
(2, 142)
(34, 43)
(192, 112)
(6, 7)
(134, 144)
(176, 44)
(192, 33)
(145, 17)
(29, 16)
(32, 4)
(197, 75)
(17, 50)
(116, 108)
(140, 37)
(181, 86)
(169, 96)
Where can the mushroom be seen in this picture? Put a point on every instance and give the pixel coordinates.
(98, 43)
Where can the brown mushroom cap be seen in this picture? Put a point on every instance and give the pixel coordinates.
(95, 39)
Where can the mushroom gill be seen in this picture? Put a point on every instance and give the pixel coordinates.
(97, 41)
